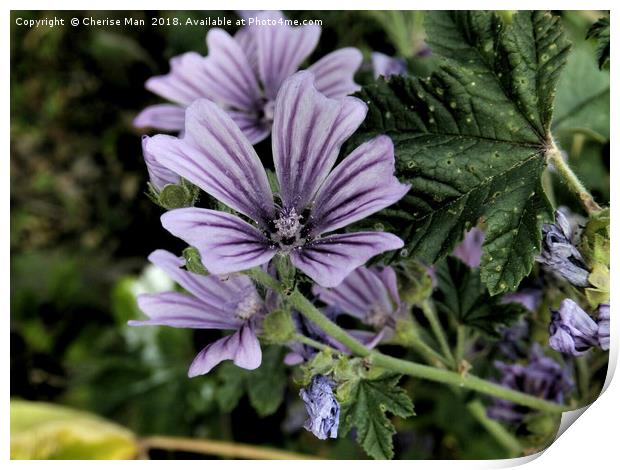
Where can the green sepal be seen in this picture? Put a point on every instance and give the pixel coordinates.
(278, 327)
(193, 261)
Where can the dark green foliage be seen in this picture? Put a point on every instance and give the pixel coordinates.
(600, 31)
(471, 138)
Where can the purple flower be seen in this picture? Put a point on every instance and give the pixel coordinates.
(313, 198)
(469, 251)
(529, 297)
(244, 73)
(603, 326)
(512, 343)
(386, 66)
(541, 377)
(370, 294)
(572, 331)
(559, 255)
(322, 407)
(159, 175)
(212, 303)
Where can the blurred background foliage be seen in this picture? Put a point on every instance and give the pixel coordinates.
(82, 227)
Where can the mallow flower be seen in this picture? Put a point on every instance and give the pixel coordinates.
(369, 294)
(313, 198)
(322, 407)
(572, 331)
(559, 254)
(385, 66)
(541, 377)
(469, 251)
(211, 303)
(603, 326)
(244, 73)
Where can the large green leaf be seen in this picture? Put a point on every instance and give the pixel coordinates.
(365, 411)
(48, 431)
(600, 30)
(462, 295)
(471, 138)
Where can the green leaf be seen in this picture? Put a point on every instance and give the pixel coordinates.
(582, 102)
(48, 431)
(365, 410)
(600, 31)
(462, 295)
(471, 138)
(265, 386)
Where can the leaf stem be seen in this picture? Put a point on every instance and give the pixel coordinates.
(219, 448)
(309, 341)
(305, 307)
(438, 331)
(499, 432)
(459, 350)
(554, 156)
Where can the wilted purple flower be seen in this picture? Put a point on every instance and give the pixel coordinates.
(529, 297)
(469, 251)
(322, 407)
(370, 294)
(243, 75)
(541, 377)
(386, 66)
(603, 326)
(559, 255)
(313, 198)
(212, 303)
(572, 331)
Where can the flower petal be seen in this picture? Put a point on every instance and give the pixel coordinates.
(159, 175)
(216, 156)
(226, 243)
(281, 49)
(242, 348)
(362, 184)
(166, 117)
(307, 133)
(386, 66)
(222, 294)
(185, 81)
(182, 311)
(329, 260)
(230, 80)
(333, 74)
(247, 43)
(252, 127)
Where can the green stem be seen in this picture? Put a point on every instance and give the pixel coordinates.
(264, 279)
(305, 307)
(505, 438)
(459, 350)
(440, 335)
(429, 354)
(554, 156)
(309, 341)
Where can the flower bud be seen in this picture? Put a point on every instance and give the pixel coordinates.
(572, 331)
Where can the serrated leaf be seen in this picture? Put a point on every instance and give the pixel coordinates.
(462, 295)
(365, 410)
(600, 31)
(471, 138)
(49, 431)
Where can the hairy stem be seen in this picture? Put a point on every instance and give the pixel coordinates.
(438, 331)
(501, 435)
(305, 307)
(309, 341)
(554, 156)
(219, 448)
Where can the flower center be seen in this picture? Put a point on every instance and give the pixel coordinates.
(268, 110)
(376, 317)
(249, 306)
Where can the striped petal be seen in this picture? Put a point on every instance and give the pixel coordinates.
(226, 243)
(329, 260)
(166, 117)
(362, 184)
(281, 49)
(230, 80)
(333, 74)
(216, 292)
(215, 155)
(183, 311)
(242, 348)
(307, 133)
(253, 128)
(185, 81)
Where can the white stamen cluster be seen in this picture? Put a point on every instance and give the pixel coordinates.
(249, 306)
(288, 225)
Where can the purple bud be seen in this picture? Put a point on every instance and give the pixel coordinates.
(603, 326)
(572, 331)
(159, 175)
(322, 407)
(559, 254)
(386, 66)
(469, 251)
(541, 377)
